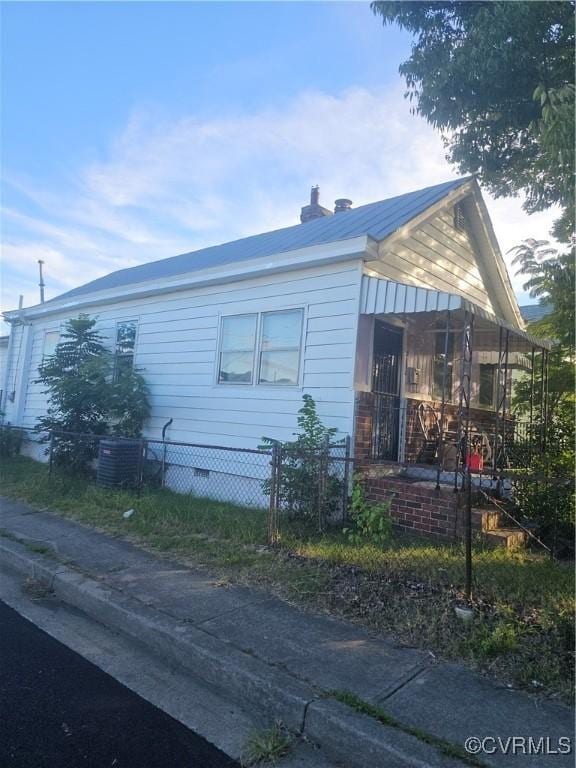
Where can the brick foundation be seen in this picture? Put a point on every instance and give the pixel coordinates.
(418, 509)
(363, 426)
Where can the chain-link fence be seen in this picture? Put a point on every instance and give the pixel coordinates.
(295, 485)
(309, 487)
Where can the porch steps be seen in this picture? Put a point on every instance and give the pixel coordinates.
(509, 538)
(486, 520)
(491, 524)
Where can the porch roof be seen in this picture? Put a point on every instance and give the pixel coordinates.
(386, 297)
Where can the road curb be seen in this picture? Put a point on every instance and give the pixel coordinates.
(350, 738)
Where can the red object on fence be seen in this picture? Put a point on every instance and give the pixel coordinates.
(475, 462)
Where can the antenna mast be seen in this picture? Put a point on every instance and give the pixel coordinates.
(41, 283)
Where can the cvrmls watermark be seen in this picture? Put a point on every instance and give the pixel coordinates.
(518, 745)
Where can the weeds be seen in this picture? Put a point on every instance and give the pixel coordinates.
(267, 746)
(378, 713)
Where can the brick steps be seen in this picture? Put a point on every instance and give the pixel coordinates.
(420, 508)
(509, 538)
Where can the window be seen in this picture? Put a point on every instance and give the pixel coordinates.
(51, 340)
(487, 384)
(278, 360)
(438, 366)
(280, 347)
(237, 342)
(125, 343)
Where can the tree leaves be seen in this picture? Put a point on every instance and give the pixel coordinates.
(497, 79)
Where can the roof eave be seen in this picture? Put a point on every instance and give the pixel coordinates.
(316, 255)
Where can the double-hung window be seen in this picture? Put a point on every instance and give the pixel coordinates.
(261, 348)
(125, 344)
(279, 358)
(237, 341)
(51, 341)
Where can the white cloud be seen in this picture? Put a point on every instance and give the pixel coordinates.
(171, 186)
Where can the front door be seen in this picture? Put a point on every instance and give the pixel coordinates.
(387, 358)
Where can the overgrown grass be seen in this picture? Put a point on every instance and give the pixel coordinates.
(524, 602)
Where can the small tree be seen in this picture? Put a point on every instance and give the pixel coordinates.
(83, 395)
(307, 487)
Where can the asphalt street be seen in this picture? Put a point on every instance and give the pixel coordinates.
(58, 710)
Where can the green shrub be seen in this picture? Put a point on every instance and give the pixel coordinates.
(11, 439)
(87, 396)
(308, 486)
(371, 522)
(546, 497)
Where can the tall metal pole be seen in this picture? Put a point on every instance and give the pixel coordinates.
(464, 394)
(468, 533)
(542, 411)
(531, 433)
(545, 424)
(464, 432)
(504, 398)
(41, 283)
(496, 451)
(443, 405)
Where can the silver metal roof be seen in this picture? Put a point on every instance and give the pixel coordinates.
(377, 220)
(386, 297)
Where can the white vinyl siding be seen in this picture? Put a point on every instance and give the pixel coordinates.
(436, 255)
(178, 355)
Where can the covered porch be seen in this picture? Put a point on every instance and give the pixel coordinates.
(435, 379)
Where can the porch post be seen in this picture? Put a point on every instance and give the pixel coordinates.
(496, 452)
(545, 422)
(531, 432)
(542, 411)
(464, 395)
(504, 399)
(443, 405)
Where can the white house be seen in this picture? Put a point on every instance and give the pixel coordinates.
(370, 310)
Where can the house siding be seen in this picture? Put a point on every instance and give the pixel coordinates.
(176, 351)
(436, 255)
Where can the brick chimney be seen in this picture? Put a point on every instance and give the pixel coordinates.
(314, 210)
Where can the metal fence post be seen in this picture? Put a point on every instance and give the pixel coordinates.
(140, 469)
(323, 468)
(468, 535)
(346, 481)
(51, 454)
(273, 507)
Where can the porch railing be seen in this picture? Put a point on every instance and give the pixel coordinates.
(416, 436)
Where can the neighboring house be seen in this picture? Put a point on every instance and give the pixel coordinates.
(3, 354)
(531, 313)
(350, 307)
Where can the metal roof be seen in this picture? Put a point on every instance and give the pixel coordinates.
(382, 297)
(377, 220)
(531, 313)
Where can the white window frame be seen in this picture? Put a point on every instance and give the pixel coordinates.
(117, 355)
(220, 350)
(256, 353)
(279, 349)
(46, 332)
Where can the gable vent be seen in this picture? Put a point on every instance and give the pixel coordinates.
(459, 218)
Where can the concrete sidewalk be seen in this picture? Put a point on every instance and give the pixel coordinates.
(272, 657)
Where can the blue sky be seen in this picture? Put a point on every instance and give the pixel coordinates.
(133, 131)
